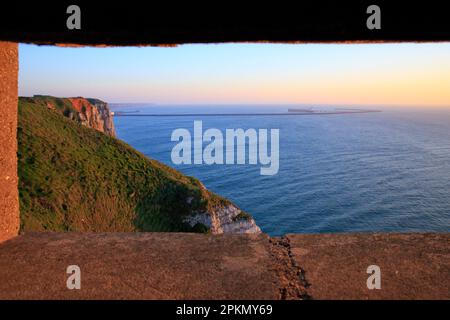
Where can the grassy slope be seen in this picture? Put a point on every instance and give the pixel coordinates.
(73, 178)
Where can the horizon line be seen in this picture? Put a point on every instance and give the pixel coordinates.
(253, 103)
(281, 104)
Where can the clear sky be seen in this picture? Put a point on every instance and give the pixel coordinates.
(360, 74)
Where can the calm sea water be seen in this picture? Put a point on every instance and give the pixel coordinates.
(387, 171)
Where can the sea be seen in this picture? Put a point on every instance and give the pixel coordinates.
(387, 171)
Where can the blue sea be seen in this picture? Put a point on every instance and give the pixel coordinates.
(386, 172)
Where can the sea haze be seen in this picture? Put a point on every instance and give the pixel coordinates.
(387, 171)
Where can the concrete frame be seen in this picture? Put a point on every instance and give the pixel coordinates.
(9, 194)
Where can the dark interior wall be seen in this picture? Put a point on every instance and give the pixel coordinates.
(168, 23)
(9, 201)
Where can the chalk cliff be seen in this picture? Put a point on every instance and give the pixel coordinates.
(92, 113)
(222, 216)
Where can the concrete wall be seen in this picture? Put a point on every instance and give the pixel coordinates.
(9, 201)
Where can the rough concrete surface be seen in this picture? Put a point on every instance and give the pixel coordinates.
(196, 266)
(138, 266)
(413, 266)
(9, 202)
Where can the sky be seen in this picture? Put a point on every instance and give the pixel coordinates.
(354, 74)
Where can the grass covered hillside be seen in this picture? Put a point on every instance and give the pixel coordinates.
(74, 178)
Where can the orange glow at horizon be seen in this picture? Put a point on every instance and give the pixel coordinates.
(371, 74)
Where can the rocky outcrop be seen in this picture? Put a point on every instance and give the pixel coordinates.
(93, 113)
(228, 219)
(223, 217)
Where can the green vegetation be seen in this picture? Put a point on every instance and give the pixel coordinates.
(73, 178)
(64, 106)
(242, 216)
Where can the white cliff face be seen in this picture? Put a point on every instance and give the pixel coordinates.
(223, 218)
(226, 219)
(92, 113)
(104, 118)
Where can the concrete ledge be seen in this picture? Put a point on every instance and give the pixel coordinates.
(413, 266)
(138, 266)
(194, 266)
